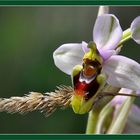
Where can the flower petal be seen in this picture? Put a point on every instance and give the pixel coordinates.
(103, 10)
(120, 116)
(122, 72)
(118, 100)
(67, 56)
(135, 29)
(138, 92)
(106, 54)
(133, 122)
(107, 32)
(84, 46)
(134, 114)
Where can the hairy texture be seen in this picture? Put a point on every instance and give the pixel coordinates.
(46, 103)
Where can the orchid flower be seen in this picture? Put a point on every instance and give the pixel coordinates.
(97, 70)
(119, 71)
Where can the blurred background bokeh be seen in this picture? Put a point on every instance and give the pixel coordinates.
(28, 37)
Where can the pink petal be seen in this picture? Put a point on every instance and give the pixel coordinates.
(67, 56)
(135, 29)
(133, 121)
(84, 47)
(122, 72)
(107, 32)
(118, 100)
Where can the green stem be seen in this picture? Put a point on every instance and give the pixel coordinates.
(92, 121)
(126, 36)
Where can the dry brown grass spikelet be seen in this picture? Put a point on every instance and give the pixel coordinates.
(46, 103)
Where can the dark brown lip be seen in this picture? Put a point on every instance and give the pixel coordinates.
(87, 90)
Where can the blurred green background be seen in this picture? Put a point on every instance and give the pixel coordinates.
(28, 37)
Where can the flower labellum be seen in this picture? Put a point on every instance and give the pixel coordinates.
(88, 80)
